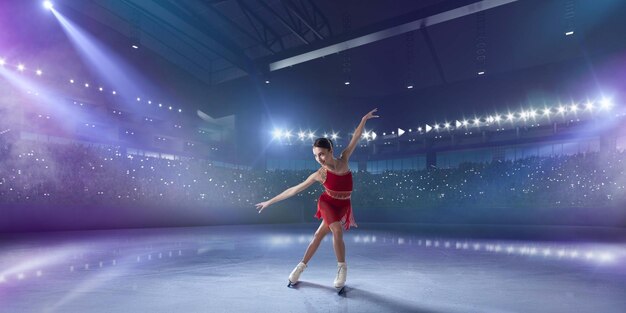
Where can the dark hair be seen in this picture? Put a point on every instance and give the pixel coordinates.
(323, 143)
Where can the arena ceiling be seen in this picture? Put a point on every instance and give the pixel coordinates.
(380, 47)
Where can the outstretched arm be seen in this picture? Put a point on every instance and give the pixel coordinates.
(289, 192)
(345, 154)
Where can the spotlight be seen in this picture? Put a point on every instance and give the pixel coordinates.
(170, 107)
(21, 67)
(574, 108)
(138, 99)
(277, 133)
(589, 106)
(114, 92)
(180, 110)
(267, 81)
(135, 46)
(446, 125)
(86, 85)
(287, 134)
(301, 135)
(409, 87)
(311, 135)
(464, 123)
(39, 72)
(48, 5)
(569, 33)
(606, 103)
(346, 83)
(481, 73)
(334, 136)
(561, 109)
(71, 81)
(546, 112)
(510, 116)
(2, 62)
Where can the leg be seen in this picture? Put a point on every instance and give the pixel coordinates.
(315, 242)
(338, 244)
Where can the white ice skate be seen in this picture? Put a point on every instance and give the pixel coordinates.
(294, 277)
(340, 280)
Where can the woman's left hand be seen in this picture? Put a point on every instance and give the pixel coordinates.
(370, 115)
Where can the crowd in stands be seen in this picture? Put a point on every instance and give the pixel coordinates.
(83, 175)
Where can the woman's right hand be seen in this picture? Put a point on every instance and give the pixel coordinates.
(262, 205)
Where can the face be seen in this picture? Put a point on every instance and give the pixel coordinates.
(322, 155)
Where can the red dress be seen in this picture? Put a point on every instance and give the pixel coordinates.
(334, 204)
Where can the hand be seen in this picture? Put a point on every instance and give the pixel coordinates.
(262, 205)
(370, 115)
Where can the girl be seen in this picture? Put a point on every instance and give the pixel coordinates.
(333, 206)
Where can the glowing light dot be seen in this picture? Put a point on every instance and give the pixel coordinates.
(39, 72)
(21, 67)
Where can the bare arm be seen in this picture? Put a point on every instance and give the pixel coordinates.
(346, 153)
(289, 192)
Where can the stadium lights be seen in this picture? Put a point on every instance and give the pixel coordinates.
(39, 72)
(21, 67)
(2, 62)
(334, 136)
(574, 108)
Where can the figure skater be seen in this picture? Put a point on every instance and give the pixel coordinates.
(333, 206)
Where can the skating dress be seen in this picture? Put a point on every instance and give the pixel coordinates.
(334, 203)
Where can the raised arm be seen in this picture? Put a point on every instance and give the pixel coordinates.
(346, 153)
(289, 192)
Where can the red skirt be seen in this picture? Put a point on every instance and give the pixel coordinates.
(335, 210)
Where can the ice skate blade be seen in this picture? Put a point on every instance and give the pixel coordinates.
(341, 291)
(291, 285)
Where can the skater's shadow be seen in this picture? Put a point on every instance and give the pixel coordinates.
(387, 304)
